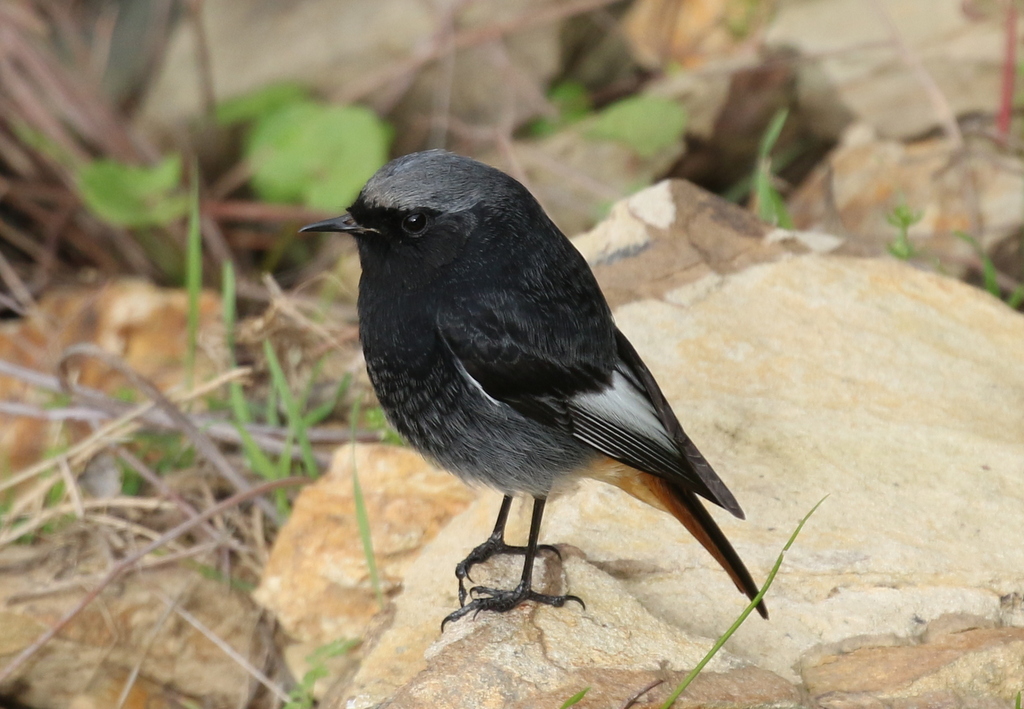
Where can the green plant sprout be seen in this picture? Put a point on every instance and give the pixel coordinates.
(989, 274)
(140, 198)
(903, 218)
(305, 152)
(571, 102)
(301, 696)
(771, 207)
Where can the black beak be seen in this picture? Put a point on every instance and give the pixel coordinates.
(344, 223)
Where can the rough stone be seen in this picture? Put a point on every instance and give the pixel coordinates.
(896, 392)
(980, 193)
(855, 70)
(671, 234)
(317, 580)
(978, 667)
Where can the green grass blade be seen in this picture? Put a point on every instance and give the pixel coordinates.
(296, 423)
(255, 457)
(312, 418)
(743, 616)
(264, 467)
(989, 278)
(193, 278)
(1016, 298)
(575, 699)
(270, 409)
(772, 133)
(307, 391)
(229, 314)
(363, 519)
(770, 205)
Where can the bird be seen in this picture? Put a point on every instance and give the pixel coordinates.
(494, 353)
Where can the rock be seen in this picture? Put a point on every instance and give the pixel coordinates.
(533, 655)
(887, 388)
(854, 71)
(865, 178)
(896, 392)
(671, 234)
(691, 33)
(978, 668)
(316, 580)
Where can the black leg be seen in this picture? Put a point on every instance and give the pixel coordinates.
(499, 601)
(495, 544)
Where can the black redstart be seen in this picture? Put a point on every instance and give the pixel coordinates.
(493, 352)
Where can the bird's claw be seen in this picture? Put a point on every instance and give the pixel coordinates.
(502, 601)
(492, 547)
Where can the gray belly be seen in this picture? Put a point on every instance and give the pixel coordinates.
(453, 422)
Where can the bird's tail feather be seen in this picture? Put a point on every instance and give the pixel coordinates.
(684, 506)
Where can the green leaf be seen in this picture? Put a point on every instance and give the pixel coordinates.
(260, 103)
(572, 101)
(316, 155)
(647, 124)
(575, 699)
(132, 196)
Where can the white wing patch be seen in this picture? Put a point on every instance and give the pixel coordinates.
(620, 416)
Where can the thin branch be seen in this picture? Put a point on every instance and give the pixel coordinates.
(17, 286)
(146, 647)
(633, 699)
(100, 437)
(199, 439)
(80, 582)
(228, 650)
(159, 484)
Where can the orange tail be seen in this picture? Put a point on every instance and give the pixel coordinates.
(684, 506)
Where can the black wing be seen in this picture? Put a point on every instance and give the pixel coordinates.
(580, 375)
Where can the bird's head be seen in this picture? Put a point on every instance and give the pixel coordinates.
(425, 209)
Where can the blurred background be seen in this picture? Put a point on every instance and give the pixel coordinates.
(158, 156)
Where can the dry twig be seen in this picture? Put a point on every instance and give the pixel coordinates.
(129, 561)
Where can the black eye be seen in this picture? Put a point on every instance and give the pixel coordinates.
(415, 224)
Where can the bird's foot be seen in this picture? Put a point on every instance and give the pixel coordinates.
(500, 601)
(491, 547)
